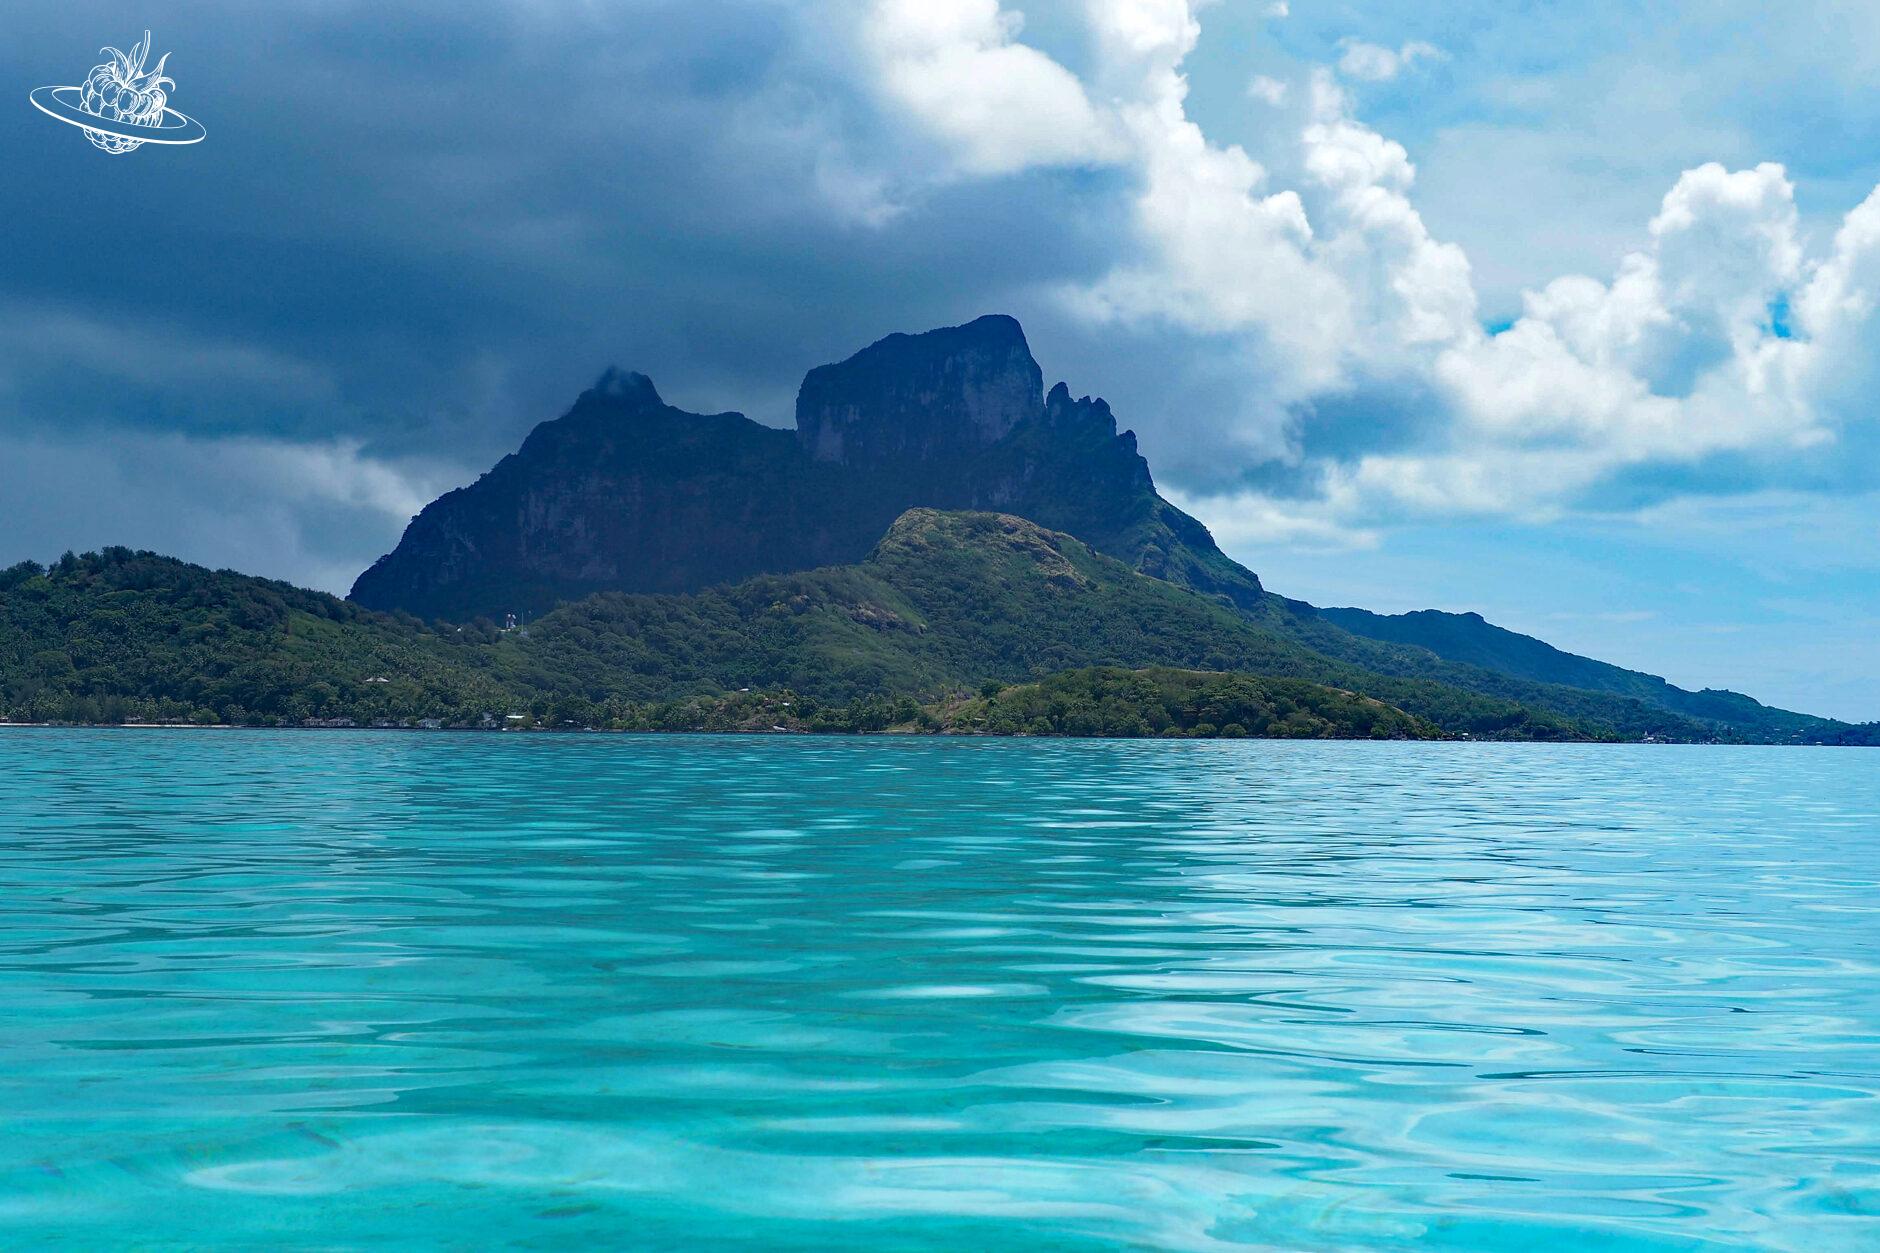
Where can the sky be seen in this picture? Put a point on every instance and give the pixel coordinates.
(1563, 314)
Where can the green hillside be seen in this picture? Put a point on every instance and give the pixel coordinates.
(1158, 701)
(945, 605)
(950, 599)
(122, 634)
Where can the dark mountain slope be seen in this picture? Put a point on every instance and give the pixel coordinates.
(626, 493)
(1468, 638)
(623, 491)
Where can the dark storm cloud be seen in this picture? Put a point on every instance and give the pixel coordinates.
(428, 226)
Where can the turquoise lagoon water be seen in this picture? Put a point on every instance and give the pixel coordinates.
(345, 990)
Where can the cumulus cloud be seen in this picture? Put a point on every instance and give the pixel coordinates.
(1681, 357)
(1219, 249)
(1309, 304)
(1416, 290)
(1719, 337)
(1835, 311)
(998, 104)
(1678, 358)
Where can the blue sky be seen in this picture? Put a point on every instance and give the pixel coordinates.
(1560, 313)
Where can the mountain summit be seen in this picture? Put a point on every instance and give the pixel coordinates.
(913, 401)
(626, 493)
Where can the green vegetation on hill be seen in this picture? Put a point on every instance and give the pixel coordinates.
(121, 635)
(1109, 701)
(945, 604)
(950, 599)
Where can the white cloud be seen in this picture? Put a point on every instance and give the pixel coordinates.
(1000, 105)
(1267, 89)
(1374, 63)
(1416, 289)
(1365, 288)
(1241, 521)
(1678, 355)
(1677, 359)
(1719, 336)
(1835, 311)
(1218, 250)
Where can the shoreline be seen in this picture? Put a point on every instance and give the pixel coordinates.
(892, 734)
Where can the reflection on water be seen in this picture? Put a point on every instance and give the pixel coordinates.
(477, 991)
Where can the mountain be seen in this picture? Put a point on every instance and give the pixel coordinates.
(626, 493)
(1467, 638)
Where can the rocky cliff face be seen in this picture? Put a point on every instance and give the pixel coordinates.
(626, 493)
(922, 402)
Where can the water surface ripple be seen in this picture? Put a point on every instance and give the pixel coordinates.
(339, 990)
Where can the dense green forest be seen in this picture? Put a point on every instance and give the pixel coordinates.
(1099, 701)
(949, 612)
(121, 635)
(1110, 701)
